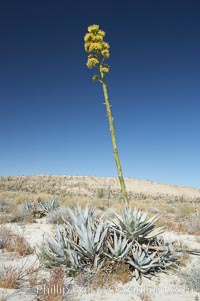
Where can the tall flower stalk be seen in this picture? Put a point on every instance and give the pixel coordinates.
(98, 52)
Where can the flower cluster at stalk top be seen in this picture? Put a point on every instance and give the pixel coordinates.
(97, 48)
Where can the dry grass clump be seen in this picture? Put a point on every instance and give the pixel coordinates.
(72, 202)
(10, 213)
(53, 289)
(193, 224)
(11, 242)
(13, 276)
(5, 237)
(107, 278)
(184, 259)
(191, 276)
(19, 197)
(145, 297)
(9, 277)
(5, 205)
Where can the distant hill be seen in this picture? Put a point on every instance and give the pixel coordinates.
(92, 187)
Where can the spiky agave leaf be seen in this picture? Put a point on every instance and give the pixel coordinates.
(118, 246)
(55, 248)
(143, 262)
(90, 239)
(89, 236)
(48, 206)
(27, 206)
(81, 216)
(135, 224)
(169, 255)
(75, 264)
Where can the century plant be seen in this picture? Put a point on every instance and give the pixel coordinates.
(144, 263)
(146, 260)
(118, 246)
(135, 224)
(80, 244)
(27, 206)
(39, 206)
(89, 243)
(98, 52)
(49, 205)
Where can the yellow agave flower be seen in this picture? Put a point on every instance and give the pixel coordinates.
(95, 44)
(104, 68)
(93, 28)
(92, 61)
(105, 53)
(95, 77)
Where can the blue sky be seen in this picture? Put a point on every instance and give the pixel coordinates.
(52, 117)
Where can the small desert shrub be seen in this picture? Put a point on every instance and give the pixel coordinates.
(13, 214)
(111, 274)
(184, 259)
(145, 297)
(53, 289)
(5, 205)
(184, 210)
(191, 276)
(101, 193)
(22, 217)
(5, 218)
(21, 246)
(120, 273)
(5, 236)
(193, 224)
(22, 197)
(12, 276)
(9, 277)
(14, 242)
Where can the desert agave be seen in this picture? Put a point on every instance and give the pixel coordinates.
(134, 224)
(40, 207)
(118, 246)
(48, 206)
(1, 243)
(81, 217)
(90, 233)
(54, 248)
(86, 242)
(81, 243)
(143, 262)
(169, 254)
(27, 206)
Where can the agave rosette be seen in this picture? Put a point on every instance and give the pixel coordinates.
(135, 224)
(118, 246)
(144, 262)
(90, 233)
